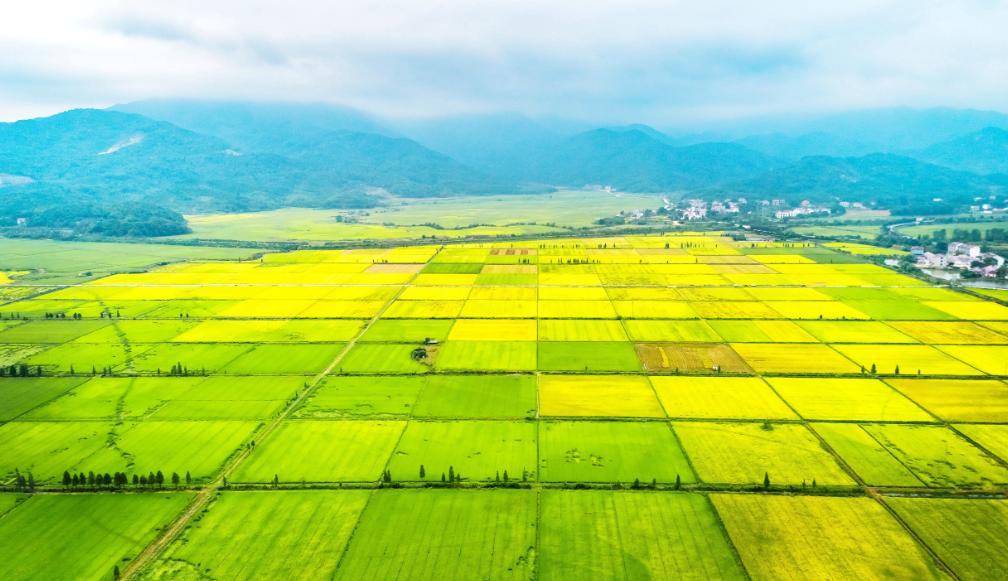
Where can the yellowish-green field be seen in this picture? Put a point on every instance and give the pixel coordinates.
(674, 406)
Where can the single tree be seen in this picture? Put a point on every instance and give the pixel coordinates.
(678, 482)
(423, 473)
(766, 480)
(873, 369)
(66, 478)
(188, 479)
(175, 479)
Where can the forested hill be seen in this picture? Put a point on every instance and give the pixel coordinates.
(115, 173)
(133, 170)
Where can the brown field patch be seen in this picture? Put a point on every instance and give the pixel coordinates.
(710, 357)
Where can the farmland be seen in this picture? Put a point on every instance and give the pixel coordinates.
(674, 406)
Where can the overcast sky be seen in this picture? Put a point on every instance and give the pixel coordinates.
(658, 62)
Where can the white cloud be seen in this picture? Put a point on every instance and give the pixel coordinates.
(633, 60)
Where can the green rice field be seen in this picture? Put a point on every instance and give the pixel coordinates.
(680, 406)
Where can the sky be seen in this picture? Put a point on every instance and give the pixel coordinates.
(660, 62)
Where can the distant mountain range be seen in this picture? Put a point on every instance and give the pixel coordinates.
(135, 168)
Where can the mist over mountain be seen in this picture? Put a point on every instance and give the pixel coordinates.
(903, 184)
(136, 168)
(984, 152)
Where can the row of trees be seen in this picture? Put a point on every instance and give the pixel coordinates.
(74, 316)
(874, 370)
(121, 480)
(971, 235)
(179, 370)
(20, 370)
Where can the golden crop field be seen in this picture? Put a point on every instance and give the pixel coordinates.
(666, 406)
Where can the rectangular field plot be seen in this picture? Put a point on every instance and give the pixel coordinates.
(498, 309)
(199, 448)
(380, 358)
(138, 331)
(869, 459)
(323, 451)
(46, 449)
(587, 356)
(743, 453)
(407, 330)
(272, 331)
(971, 310)
(50, 331)
(820, 537)
(816, 310)
(938, 456)
(644, 309)
(182, 398)
(19, 395)
(197, 357)
(598, 396)
(574, 309)
(444, 309)
(581, 330)
(610, 452)
(993, 438)
(421, 534)
(476, 450)
(987, 358)
(487, 356)
(761, 332)
(676, 331)
(734, 310)
(958, 400)
(300, 359)
(846, 399)
(906, 359)
(293, 534)
(897, 309)
(795, 358)
(44, 537)
(477, 396)
(614, 535)
(493, 330)
(691, 357)
(343, 396)
(62, 358)
(719, 398)
(854, 332)
(967, 534)
(950, 333)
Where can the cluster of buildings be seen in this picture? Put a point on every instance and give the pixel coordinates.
(804, 209)
(699, 209)
(962, 256)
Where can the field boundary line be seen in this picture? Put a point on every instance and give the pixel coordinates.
(162, 541)
(898, 460)
(727, 535)
(353, 531)
(874, 495)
